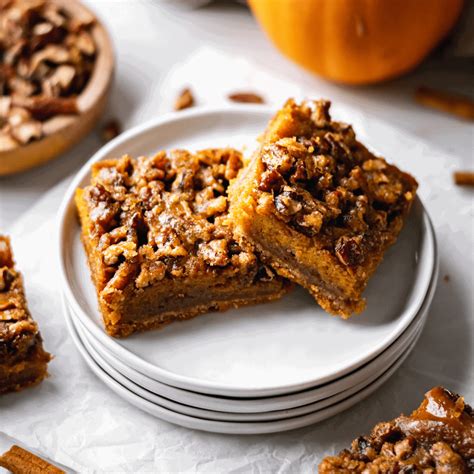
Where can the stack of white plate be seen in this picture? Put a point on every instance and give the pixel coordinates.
(259, 369)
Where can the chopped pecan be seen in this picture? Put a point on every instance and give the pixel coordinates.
(126, 249)
(246, 98)
(288, 202)
(7, 142)
(271, 180)
(47, 58)
(184, 100)
(27, 131)
(215, 252)
(110, 130)
(7, 275)
(60, 81)
(348, 250)
(85, 43)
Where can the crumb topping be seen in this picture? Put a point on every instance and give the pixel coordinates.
(437, 437)
(165, 216)
(321, 181)
(18, 332)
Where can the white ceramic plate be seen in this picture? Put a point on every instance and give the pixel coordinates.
(264, 350)
(266, 415)
(226, 427)
(259, 405)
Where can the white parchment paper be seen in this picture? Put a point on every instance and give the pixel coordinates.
(75, 420)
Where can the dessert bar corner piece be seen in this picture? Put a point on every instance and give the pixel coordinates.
(158, 244)
(438, 437)
(319, 207)
(23, 361)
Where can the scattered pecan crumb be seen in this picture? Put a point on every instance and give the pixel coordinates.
(246, 98)
(184, 100)
(454, 104)
(446, 278)
(110, 130)
(464, 178)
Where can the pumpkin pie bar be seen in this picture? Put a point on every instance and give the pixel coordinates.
(319, 207)
(438, 437)
(155, 234)
(23, 361)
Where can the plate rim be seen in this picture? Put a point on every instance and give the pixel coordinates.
(265, 415)
(251, 417)
(164, 375)
(228, 427)
(284, 402)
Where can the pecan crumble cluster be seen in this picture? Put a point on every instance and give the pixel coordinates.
(17, 330)
(22, 358)
(324, 182)
(438, 437)
(46, 60)
(165, 216)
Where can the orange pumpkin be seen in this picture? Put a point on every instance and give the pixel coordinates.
(357, 41)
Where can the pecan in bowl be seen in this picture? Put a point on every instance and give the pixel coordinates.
(56, 65)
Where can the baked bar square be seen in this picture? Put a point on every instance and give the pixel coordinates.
(23, 361)
(319, 207)
(158, 244)
(438, 437)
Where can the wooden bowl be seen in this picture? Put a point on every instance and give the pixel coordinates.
(63, 131)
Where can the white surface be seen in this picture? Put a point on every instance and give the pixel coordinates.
(229, 427)
(72, 417)
(230, 416)
(239, 353)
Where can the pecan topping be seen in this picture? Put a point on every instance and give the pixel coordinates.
(324, 182)
(166, 215)
(441, 442)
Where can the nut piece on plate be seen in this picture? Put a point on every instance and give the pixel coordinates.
(438, 437)
(158, 244)
(47, 60)
(23, 361)
(319, 206)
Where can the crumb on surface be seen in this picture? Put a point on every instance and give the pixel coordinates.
(185, 100)
(110, 130)
(246, 98)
